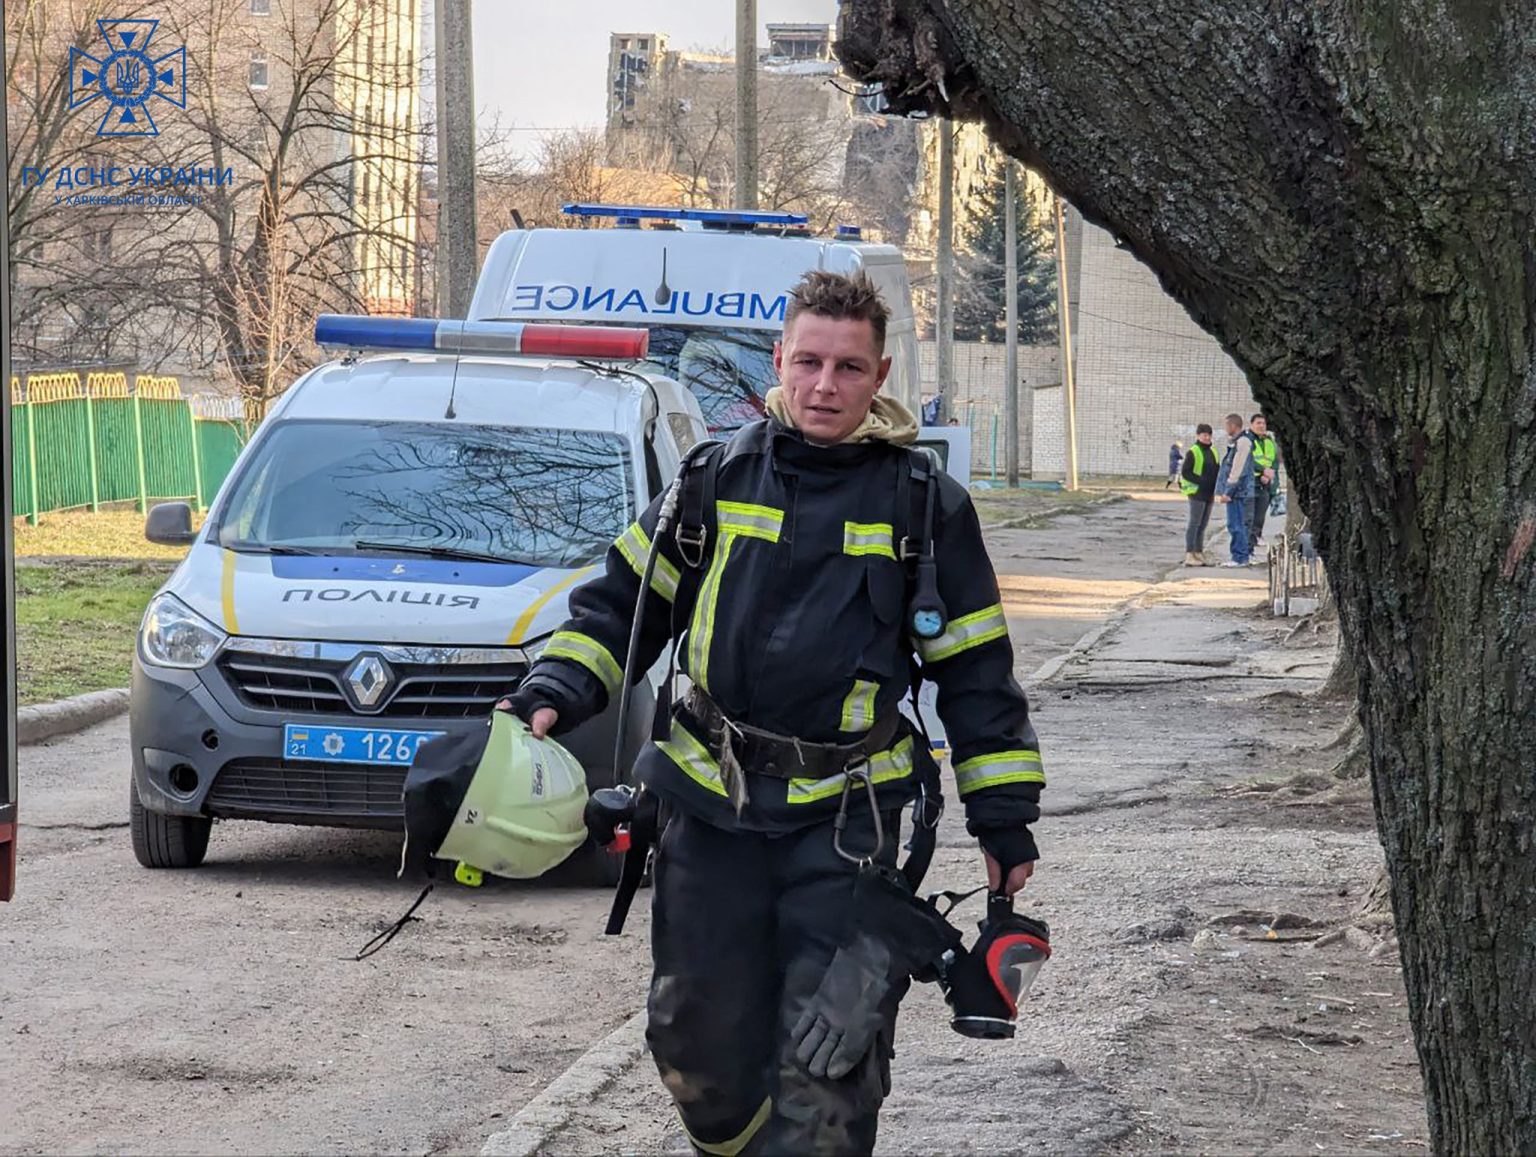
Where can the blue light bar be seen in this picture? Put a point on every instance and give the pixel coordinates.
(849, 233)
(503, 338)
(726, 217)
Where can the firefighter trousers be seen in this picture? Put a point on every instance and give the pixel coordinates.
(743, 928)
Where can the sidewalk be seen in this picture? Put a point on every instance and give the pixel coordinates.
(1153, 1028)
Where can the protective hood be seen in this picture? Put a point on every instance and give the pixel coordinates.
(887, 421)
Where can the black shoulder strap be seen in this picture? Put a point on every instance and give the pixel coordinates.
(912, 507)
(696, 518)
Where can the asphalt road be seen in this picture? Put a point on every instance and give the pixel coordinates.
(220, 1009)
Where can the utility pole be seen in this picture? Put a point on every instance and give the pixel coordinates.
(1011, 339)
(944, 313)
(746, 104)
(458, 254)
(1064, 327)
(7, 573)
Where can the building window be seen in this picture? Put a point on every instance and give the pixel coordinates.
(643, 45)
(261, 7)
(623, 42)
(258, 72)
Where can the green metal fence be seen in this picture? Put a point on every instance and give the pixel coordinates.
(78, 445)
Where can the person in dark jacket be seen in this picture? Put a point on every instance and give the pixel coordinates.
(1234, 489)
(1197, 479)
(797, 646)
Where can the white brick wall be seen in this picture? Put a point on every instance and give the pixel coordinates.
(1146, 374)
(978, 399)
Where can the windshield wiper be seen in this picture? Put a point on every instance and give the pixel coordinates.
(270, 548)
(433, 551)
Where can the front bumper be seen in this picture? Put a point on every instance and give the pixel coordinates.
(199, 751)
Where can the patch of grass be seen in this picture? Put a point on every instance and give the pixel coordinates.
(76, 623)
(81, 534)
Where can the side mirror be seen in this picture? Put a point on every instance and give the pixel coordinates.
(170, 524)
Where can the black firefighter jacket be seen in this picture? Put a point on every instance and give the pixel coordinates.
(798, 628)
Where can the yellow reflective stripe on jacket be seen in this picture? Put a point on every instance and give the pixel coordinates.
(634, 544)
(739, 1142)
(701, 631)
(868, 538)
(693, 758)
(587, 651)
(962, 634)
(735, 520)
(746, 518)
(884, 767)
(1021, 766)
(859, 707)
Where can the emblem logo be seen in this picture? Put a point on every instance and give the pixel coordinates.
(368, 678)
(128, 77)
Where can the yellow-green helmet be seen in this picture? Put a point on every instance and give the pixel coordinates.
(497, 801)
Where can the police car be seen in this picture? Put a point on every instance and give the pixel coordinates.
(391, 551)
(711, 285)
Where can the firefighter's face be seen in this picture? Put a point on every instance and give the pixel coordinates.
(831, 370)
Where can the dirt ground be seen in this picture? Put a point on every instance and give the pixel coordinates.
(219, 1010)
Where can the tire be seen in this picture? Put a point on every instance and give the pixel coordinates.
(162, 841)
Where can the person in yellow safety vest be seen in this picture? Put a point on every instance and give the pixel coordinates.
(783, 771)
(1197, 479)
(1266, 461)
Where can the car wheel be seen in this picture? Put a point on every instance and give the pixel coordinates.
(162, 841)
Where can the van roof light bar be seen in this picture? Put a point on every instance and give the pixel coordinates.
(494, 338)
(718, 218)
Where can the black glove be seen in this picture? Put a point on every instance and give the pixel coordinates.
(895, 935)
(543, 689)
(1010, 847)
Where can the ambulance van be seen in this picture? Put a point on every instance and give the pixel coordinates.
(711, 286)
(391, 551)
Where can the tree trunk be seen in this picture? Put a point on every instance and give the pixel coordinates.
(1345, 195)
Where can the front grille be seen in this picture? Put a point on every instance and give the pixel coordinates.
(304, 686)
(360, 795)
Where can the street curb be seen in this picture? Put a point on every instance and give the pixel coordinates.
(588, 1078)
(50, 720)
(1043, 517)
(1095, 635)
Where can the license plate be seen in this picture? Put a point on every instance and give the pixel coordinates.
(380, 745)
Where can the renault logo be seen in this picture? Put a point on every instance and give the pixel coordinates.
(368, 678)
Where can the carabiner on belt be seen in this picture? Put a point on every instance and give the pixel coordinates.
(858, 773)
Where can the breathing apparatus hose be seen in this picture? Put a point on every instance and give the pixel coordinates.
(664, 519)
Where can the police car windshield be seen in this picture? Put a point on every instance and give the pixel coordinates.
(540, 497)
(727, 370)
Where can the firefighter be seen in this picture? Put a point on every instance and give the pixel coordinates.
(797, 636)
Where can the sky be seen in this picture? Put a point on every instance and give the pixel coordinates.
(539, 64)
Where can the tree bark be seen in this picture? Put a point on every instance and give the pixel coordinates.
(1345, 195)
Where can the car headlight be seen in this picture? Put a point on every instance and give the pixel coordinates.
(534, 648)
(174, 635)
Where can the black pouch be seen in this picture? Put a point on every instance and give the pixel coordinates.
(895, 936)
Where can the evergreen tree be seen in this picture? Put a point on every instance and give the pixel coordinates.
(980, 306)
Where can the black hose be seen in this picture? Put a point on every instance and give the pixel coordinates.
(664, 519)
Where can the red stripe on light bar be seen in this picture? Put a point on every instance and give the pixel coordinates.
(617, 343)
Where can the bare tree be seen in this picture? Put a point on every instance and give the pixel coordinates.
(68, 309)
(1344, 194)
(304, 153)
